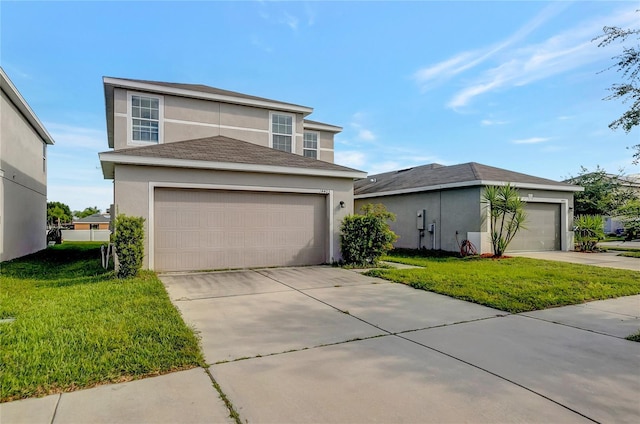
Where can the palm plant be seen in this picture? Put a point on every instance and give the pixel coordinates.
(506, 215)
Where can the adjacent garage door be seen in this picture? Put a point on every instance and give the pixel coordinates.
(543, 229)
(217, 229)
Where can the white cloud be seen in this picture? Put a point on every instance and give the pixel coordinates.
(77, 137)
(290, 20)
(386, 166)
(358, 123)
(516, 64)
(366, 135)
(532, 140)
(491, 122)
(466, 60)
(350, 158)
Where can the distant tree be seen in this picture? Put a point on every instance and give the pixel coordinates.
(603, 193)
(630, 214)
(506, 215)
(86, 212)
(58, 213)
(628, 63)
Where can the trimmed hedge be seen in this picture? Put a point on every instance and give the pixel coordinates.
(366, 237)
(129, 244)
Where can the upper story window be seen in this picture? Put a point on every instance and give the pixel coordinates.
(282, 132)
(310, 147)
(146, 113)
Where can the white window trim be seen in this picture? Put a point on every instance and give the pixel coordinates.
(130, 141)
(317, 149)
(294, 128)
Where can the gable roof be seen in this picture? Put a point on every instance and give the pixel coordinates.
(436, 177)
(223, 153)
(21, 104)
(96, 218)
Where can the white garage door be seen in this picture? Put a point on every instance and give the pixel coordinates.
(543, 229)
(217, 229)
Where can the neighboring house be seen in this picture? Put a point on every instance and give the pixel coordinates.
(437, 207)
(223, 179)
(96, 221)
(628, 183)
(23, 175)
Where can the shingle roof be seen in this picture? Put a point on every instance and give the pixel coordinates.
(207, 89)
(228, 150)
(433, 175)
(95, 218)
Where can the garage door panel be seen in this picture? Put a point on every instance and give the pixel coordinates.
(542, 232)
(216, 229)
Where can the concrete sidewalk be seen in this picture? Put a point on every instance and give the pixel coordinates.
(323, 344)
(180, 397)
(328, 347)
(601, 259)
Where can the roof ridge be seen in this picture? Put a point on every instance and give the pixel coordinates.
(475, 170)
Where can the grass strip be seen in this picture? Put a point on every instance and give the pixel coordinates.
(512, 284)
(635, 254)
(77, 326)
(622, 249)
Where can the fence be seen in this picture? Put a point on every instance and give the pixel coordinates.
(86, 235)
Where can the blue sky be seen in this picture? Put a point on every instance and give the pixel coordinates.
(509, 84)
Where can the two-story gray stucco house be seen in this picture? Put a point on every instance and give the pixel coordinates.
(437, 206)
(23, 175)
(224, 179)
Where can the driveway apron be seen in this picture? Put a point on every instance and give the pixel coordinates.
(323, 344)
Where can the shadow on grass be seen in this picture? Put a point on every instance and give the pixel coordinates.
(61, 265)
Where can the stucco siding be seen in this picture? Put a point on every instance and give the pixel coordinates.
(450, 211)
(120, 100)
(327, 156)
(23, 195)
(191, 110)
(259, 138)
(132, 190)
(174, 131)
(187, 119)
(462, 211)
(326, 140)
(121, 132)
(244, 117)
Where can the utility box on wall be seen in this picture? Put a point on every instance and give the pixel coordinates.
(421, 216)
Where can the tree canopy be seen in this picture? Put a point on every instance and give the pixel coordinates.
(628, 64)
(58, 213)
(92, 210)
(603, 193)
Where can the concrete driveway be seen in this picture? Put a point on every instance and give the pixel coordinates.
(322, 344)
(601, 259)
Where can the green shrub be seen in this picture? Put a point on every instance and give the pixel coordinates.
(366, 237)
(589, 230)
(128, 240)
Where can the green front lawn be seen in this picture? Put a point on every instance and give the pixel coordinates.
(512, 284)
(77, 326)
